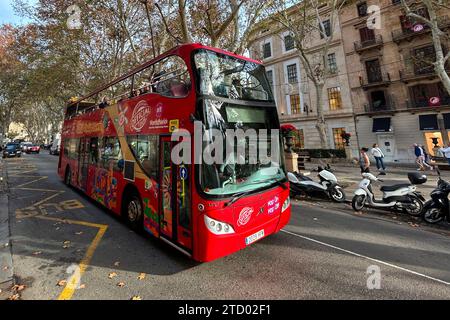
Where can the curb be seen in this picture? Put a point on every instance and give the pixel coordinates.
(6, 266)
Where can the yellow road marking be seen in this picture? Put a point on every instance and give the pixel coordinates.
(74, 280)
(27, 183)
(71, 285)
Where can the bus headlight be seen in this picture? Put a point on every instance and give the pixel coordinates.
(286, 204)
(218, 227)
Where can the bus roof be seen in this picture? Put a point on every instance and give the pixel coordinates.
(173, 51)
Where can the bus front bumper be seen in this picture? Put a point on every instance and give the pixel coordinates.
(211, 246)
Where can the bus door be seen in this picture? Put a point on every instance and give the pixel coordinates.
(83, 162)
(175, 214)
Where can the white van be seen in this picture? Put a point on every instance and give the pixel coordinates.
(55, 147)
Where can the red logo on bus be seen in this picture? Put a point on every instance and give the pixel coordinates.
(140, 115)
(244, 216)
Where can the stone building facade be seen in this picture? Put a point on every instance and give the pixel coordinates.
(398, 99)
(294, 92)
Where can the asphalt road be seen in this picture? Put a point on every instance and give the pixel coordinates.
(324, 253)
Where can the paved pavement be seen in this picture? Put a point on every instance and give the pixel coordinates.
(326, 252)
(349, 175)
(6, 270)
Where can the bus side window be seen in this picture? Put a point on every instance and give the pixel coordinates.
(93, 151)
(111, 153)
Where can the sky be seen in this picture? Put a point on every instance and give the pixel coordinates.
(7, 14)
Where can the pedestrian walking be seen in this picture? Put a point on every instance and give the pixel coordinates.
(418, 153)
(378, 155)
(446, 152)
(420, 158)
(364, 161)
(426, 159)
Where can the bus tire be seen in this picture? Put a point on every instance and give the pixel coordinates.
(67, 177)
(132, 210)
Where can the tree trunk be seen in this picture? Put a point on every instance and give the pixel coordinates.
(321, 125)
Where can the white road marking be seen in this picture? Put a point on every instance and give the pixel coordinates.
(366, 257)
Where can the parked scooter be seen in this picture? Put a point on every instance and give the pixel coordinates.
(438, 208)
(399, 196)
(328, 184)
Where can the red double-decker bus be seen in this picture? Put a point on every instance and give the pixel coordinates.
(117, 143)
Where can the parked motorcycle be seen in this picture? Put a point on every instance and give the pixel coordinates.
(399, 196)
(328, 184)
(438, 208)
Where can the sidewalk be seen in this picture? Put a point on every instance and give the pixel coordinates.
(6, 270)
(349, 176)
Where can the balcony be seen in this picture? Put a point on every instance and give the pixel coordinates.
(375, 79)
(427, 103)
(406, 34)
(374, 43)
(414, 72)
(376, 107)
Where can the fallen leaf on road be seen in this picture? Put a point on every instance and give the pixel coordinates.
(315, 219)
(66, 242)
(57, 228)
(117, 263)
(18, 287)
(121, 284)
(136, 298)
(65, 246)
(141, 276)
(82, 286)
(14, 297)
(112, 275)
(5, 268)
(36, 253)
(79, 233)
(62, 283)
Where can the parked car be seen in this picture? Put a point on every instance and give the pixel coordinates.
(25, 146)
(12, 150)
(33, 149)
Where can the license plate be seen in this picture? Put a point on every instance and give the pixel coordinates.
(254, 237)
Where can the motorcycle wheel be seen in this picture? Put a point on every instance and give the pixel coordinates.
(432, 213)
(415, 208)
(337, 194)
(358, 202)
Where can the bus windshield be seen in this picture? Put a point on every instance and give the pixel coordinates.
(229, 77)
(251, 148)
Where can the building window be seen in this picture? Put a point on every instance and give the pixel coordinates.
(267, 50)
(269, 74)
(362, 9)
(292, 73)
(422, 58)
(338, 140)
(295, 103)
(332, 65)
(366, 34)
(299, 139)
(373, 69)
(334, 98)
(289, 43)
(327, 27)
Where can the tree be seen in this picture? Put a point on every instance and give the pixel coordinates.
(439, 36)
(305, 22)
(226, 24)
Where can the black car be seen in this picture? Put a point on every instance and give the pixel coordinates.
(12, 150)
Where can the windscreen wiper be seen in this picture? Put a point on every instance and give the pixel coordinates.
(237, 197)
(242, 194)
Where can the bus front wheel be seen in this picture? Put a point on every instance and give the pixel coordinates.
(133, 211)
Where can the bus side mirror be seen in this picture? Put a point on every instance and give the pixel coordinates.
(121, 164)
